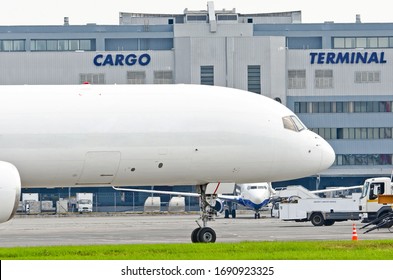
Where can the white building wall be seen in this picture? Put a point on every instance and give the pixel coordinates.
(230, 57)
(269, 53)
(343, 74)
(203, 30)
(66, 67)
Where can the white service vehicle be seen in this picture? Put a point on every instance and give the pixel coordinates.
(84, 202)
(376, 199)
(320, 211)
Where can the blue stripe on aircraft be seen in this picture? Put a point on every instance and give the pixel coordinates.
(248, 203)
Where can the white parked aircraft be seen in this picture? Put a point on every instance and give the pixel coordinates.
(143, 135)
(252, 196)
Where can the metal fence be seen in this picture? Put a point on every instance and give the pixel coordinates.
(106, 199)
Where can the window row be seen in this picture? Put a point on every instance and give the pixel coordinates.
(62, 45)
(365, 159)
(324, 78)
(362, 42)
(133, 77)
(12, 46)
(354, 133)
(344, 107)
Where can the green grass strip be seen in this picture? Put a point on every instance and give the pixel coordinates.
(268, 250)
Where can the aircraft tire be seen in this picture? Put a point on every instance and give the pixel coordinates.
(206, 235)
(226, 213)
(233, 213)
(194, 235)
(317, 219)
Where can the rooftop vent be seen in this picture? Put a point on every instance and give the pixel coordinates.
(358, 19)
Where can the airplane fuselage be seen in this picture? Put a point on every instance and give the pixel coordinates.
(125, 135)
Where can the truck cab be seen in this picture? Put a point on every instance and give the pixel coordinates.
(376, 199)
(84, 202)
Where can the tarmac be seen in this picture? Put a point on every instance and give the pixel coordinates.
(107, 228)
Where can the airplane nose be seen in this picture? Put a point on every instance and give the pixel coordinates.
(328, 155)
(258, 199)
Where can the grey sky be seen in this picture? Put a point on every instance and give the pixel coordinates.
(50, 12)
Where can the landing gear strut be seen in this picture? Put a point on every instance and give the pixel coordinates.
(204, 234)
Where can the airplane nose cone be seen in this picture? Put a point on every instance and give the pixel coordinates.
(328, 155)
(258, 199)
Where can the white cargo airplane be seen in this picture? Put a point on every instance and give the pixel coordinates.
(143, 135)
(253, 196)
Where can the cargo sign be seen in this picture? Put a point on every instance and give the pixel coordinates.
(347, 57)
(121, 59)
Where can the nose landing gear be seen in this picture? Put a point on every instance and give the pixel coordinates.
(204, 234)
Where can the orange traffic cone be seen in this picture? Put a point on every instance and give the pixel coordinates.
(354, 233)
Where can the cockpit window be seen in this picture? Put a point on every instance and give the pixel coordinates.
(293, 123)
(300, 126)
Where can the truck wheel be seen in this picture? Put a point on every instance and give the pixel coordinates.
(317, 219)
(329, 222)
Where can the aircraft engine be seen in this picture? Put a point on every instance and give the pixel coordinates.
(10, 189)
(219, 206)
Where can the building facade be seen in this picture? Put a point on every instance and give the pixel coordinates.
(336, 77)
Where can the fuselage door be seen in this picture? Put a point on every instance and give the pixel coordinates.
(99, 168)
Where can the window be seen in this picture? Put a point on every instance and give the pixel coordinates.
(196, 18)
(41, 45)
(136, 77)
(338, 43)
(296, 79)
(288, 124)
(92, 78)
(51, 45)
(163, 77)
(344, 107)
(74, 45)
(361, 133)
(383, 42)
(293, 123)
(207, 75)
(226, 17)
(322, 107)
(301, 107)
(299, 125)
(85, 45)
(323, 79)
(12, 45)
(350, 43)
(362, 42)
(367, 77)
(254, 78)
(61, 45)
(372, 42)
(364, 159)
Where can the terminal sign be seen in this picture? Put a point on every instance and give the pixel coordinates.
(347, 57)
(121, 59)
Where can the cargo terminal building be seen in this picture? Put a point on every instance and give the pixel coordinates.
(336, 77)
